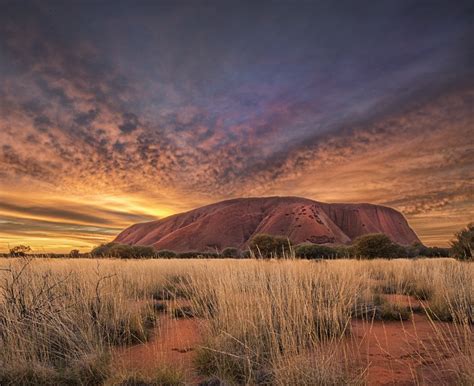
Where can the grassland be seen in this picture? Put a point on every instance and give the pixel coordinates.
(283, 322)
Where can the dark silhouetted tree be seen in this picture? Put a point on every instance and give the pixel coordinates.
(20, 250)
(463, 243)
(376, 245)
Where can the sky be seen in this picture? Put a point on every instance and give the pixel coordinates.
(117, 112)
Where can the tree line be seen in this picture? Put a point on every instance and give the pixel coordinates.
(368, 246)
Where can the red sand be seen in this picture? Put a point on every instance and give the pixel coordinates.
(412, 352)
(173, 344)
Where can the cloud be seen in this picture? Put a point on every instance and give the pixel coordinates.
(86, 118)
(129, 123)
(327, 102)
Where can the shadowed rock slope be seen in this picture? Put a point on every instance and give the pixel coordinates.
(232, 223)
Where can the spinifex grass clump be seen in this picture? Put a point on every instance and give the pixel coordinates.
(260, 314)
(445, 286)
(453, 294)
(58, 327)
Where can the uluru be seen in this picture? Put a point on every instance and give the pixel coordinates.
(232, 223)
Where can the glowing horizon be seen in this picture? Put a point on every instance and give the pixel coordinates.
(112, 114)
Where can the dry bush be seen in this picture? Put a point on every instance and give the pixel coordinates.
(59, 324)
(262, 313)
(445, 285)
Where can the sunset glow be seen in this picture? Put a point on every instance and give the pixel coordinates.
(111, 116)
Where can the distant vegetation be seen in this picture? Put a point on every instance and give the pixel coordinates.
(368, 246)
(20, 250)
(463, 243)
(231, 252)
(266, 246)
(262, 245)
(314, 251)
(123, 251)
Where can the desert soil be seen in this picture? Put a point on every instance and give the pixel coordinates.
(391, 352)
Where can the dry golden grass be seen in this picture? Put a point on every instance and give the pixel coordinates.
(265, 322)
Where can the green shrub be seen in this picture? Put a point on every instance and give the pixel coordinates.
(123, 251)
(143, 251)
(463, 244)
(188, 255)
(344, 251)
(166, 254)
(270, 246)
(420, 250)
(438, 252)
(230, 252)
(208, 255)
(375, 245)
(247, 254)
(196, 254)
(314, 251)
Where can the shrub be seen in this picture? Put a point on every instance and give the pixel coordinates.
(74, 253)
(439, 252)
(463, 244)
(196, 254)
(418, 249)
(20, 250)
(375, 245)
(208, 255)
(314, 251)
(143, 251)
(344, 251)
(230, 252)
(166, 254)
(188, 255)
(270, 246)
(123, 251)
(247, 254)
(398, 250)
(102, 250)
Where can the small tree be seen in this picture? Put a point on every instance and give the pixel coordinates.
(123, 251)
(463, 243)
(269, 246)
(166, 254)
(375, 245)
(230, 252)
(103, 250)
(20, 250)
(314, 251)
(138, 251)
(74, 253)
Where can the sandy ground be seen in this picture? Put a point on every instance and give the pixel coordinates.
(173, 344)
(411, 352)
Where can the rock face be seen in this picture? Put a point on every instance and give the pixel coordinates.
(232, 223)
